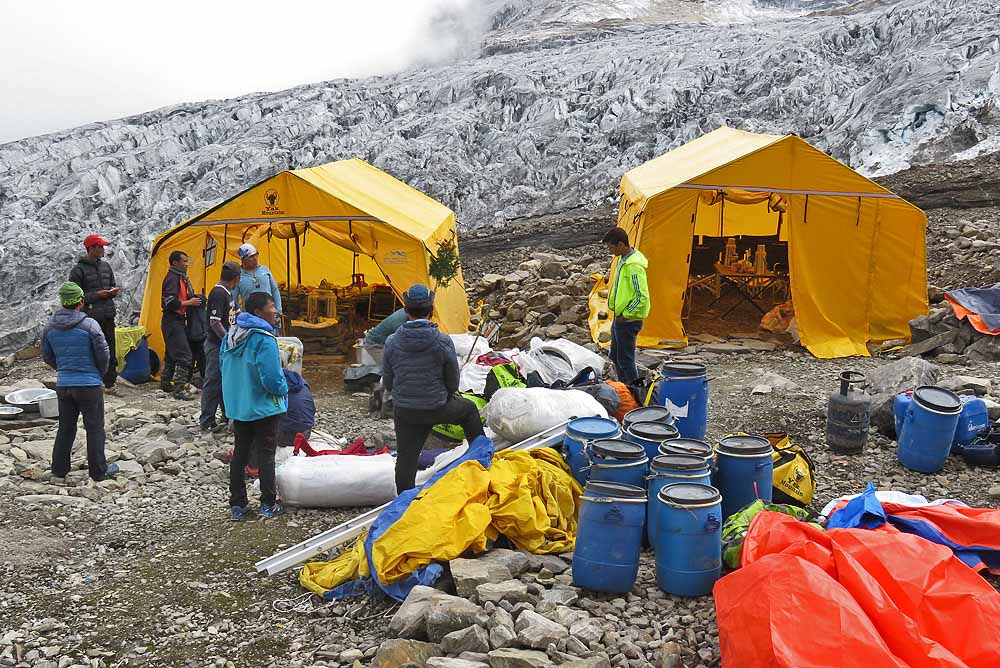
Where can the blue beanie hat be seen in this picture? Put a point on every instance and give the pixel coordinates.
(418, 296)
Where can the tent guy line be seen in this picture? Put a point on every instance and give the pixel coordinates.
(789, 191)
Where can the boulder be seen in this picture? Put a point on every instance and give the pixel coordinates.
(444, 662)
(537, 632)
(514, 591)
(452, 613)
(921, 329)
(154, 452)
(39, 450)
(985, 349)
(472, 639)
(553, 270)
(980, 386)
(518, 658)
(930, 344)
(470, 573)
(410, 621)
(888, 380)
(502, 636)
(397, 652)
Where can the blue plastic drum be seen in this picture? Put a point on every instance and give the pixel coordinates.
(689, 539)
(651, 435)
(609, 537)
(579, 433)
(648, 414)
(614, 460)
(745, 472)
(683, 389)
(137, 369)
(669, 470)
(929, 429)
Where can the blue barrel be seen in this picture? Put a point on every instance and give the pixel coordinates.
(929, 429)
(609, 537)
(579, 432)
(614, 460)
(689, 539)
(900, 405)
(650, 435)
(688, 446)
(648, 414)
(667, 470)
(683, 389)
(136, 369)
(744, 472)
(972, 421)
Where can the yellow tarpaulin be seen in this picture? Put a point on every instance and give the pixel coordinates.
(529, 497)
(857, 258)
(127, 339)
(325, 222)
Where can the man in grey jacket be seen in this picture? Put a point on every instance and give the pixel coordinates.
(420, 369)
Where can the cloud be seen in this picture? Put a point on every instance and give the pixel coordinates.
(64, 64)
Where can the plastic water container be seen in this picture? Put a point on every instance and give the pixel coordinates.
(683, 389)
(900, 405)
(648, 414)
(745, 472)
(609, 537)
(688, 539)
(614, 460)
(668, 470)
(137, 369)
(579, 433)
(929, 429)
(972, 421)
(650, 435)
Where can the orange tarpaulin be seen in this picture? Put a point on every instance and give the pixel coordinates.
(974, 318)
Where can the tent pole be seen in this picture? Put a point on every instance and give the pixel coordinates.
(298, 258)
(288, 265)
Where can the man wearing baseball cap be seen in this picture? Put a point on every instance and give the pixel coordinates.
(420, 369)
(255, 277)
(97, 280)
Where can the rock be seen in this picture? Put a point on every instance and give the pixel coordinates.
(537, 562)
(410, 620)
(724, 348)
(472, 639)
(130, 467)
(153, 452)
(537, 632)
(511, 590)
(932, 343)
(587, 630)
(515, 562)
(985, 349)
(921, 329)
(351, 655)
(492, 280)
(38, 450)
(758, 345)
(444, 662)
(671, 656)
(502, 636)
(470, 573)
(761, 389)
(980, 386)
(396, 652)
(994, 492)
(518, 658)
(888, 380)
(599, 661)
(777, 382)
(560, 596)
(451, 613)
(553, 270)
(54, 499)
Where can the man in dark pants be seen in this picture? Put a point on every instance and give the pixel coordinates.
(628, 300)
(74, 346)
(97, 280)
(177, 296)
(420, 368)
(256, 396)
(220, 306)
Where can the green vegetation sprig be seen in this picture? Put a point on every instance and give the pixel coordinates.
(445, 263)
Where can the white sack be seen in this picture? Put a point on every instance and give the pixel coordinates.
(469, 342)
(473, 378)
(558, 359)
(517, 413)
(579, 357)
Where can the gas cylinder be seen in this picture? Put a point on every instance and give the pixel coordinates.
(848, 415)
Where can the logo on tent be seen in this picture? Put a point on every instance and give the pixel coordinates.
(271, 207)
(396, 257)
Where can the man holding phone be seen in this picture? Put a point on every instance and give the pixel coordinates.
(97, 280)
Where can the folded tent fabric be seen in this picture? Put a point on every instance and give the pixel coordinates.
(127, 339)
(980, 305)
(871, 597)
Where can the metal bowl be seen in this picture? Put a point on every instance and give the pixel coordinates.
(10, 412)
(28, 398)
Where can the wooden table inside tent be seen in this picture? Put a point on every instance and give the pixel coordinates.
(749, 287)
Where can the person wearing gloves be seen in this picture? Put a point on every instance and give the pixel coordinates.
(628, 300)
(420, 369)
(255, 277)
(97, 280)
(75, 347)
(177, 295)
(255, 392)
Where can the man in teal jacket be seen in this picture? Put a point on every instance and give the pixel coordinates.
(255, 277)
(628, 300)
(256, 397)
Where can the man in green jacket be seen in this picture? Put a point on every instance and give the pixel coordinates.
(628, 299)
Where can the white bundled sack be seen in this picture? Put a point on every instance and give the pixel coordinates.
(469, 343)
(517, 413)
(473, 378)
(558, 360)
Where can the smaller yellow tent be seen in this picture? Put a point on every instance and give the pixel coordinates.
(857, 258)
(326, 222)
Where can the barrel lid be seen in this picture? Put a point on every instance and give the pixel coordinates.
(615, 448)
(678, 463)
(590, 428)
(649, 414)
(937, 399)
(604, 489)
(687, 446)
(744, 445)
(684, 368)
(653, 431)
(689, 494)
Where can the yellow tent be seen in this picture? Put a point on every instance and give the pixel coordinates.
(857, 258)
(326, 222)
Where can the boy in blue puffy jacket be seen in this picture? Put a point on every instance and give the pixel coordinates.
(256, 397)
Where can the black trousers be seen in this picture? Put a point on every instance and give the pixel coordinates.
(175, 340)
(259, 437)
(413, 426)
(72, 402)
(198, 363)
(111, 375)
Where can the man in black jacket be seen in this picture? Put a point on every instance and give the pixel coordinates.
(177, 296)
(420, 368)
(95, 278)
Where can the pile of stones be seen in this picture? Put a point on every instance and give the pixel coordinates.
(941, 335)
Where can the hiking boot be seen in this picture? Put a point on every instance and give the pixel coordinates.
(167, 377)
(238, 513)
(181, 378)
(272, 510)
(112, 391)
(111, 472)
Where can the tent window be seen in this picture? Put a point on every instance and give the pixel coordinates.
(209, 252)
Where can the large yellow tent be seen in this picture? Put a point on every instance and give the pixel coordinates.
(857, 259)
(326, 222)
